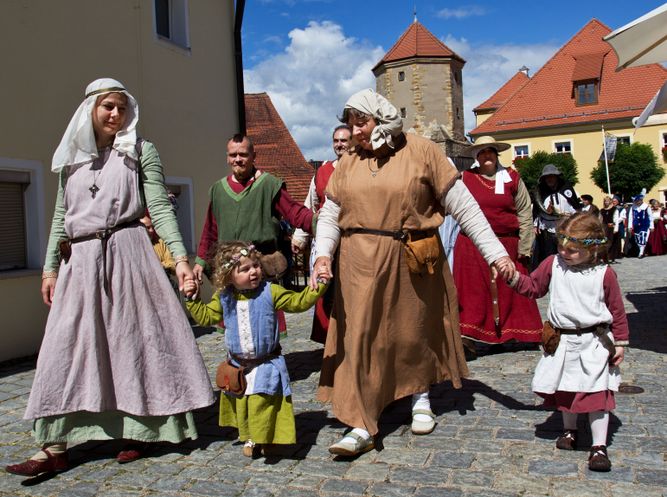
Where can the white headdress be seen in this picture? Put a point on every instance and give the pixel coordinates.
(77, 145)
(389, 123)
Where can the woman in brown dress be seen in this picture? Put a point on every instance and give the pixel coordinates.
(393, 332)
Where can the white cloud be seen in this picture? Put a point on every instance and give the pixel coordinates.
(311, 79)
(462, 12)
(488, 67)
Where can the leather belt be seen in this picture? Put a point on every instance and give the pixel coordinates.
(396, 235)
(256, 361)
(103, 236)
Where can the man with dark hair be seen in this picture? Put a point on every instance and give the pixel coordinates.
(588, 205)
(315, 200)
(247, 205)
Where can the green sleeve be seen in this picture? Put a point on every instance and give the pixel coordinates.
(206, 314)
(52, 259)
(291, 301)
(157, 201)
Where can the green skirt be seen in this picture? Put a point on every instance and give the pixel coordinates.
(264, 419)
(81, 426)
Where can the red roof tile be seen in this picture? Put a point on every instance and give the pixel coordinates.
(417, 41)
(547, 99)
(277, 152)
(515, 83)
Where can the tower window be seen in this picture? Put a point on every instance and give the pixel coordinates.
(403, 112)
(401, 75)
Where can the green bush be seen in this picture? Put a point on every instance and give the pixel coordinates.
(635, 167)
(530, 168)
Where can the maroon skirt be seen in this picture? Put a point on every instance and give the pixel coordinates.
(580, 402)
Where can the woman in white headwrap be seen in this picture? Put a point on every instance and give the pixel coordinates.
(393, 332)
(118, 359)
(490, 311)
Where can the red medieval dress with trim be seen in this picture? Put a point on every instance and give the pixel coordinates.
(519, 317)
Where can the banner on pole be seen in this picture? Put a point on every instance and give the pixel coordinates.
(610, 146)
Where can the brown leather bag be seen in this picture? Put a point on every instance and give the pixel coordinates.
(231, 379)
(422, 253)
(550, 338)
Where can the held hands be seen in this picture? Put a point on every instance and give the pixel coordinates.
(505, 267)
(184, 273)
(618, 356)
(190, 288)
(321, 272)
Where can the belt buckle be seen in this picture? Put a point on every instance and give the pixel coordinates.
(102, 234)
(400, 235)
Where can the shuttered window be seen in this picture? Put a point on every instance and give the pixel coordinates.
(12, 220)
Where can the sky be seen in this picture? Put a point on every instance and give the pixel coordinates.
(311, 55)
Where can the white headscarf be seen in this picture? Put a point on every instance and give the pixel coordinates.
(389, 123)
(77, 145)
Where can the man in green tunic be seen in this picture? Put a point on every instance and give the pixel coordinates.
(247, 205)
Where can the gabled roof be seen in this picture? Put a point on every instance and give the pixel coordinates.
(547, 99)
(505, 92)
(277, 152)
(417, 41)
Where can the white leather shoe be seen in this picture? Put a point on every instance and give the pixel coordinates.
(423, 427)
(354, 448)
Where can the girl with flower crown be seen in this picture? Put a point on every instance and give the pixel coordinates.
(586, 311)
(263, 415)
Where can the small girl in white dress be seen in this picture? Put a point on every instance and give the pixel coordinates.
(586, 308)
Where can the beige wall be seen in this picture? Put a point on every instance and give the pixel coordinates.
(586, 149)
(187, 99)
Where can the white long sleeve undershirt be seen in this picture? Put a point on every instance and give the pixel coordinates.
(457, 201)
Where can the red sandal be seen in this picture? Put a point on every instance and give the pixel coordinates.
(53, 464)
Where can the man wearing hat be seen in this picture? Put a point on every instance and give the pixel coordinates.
(639, 222)
(490, 311)
(554, 199)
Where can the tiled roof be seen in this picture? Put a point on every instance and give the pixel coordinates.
(417, 41)
(515, 83)
(277, 152)
(547, 99)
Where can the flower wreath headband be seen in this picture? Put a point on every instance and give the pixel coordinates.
(236, 258)
(586, 242)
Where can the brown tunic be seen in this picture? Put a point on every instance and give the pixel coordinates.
(393, 333)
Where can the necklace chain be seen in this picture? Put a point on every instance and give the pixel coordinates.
(481, 180)
(374, 172)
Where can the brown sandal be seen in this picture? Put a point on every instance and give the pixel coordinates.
(567, 441)
(598, 460)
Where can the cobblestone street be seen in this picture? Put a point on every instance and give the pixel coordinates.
(492, 438)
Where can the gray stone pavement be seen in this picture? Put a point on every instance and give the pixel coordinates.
(492, 438)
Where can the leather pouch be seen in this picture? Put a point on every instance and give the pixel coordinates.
(231, 379)
(550, 338)
(422, 253)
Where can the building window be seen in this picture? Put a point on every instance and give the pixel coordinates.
(564, 147)
(586, 93)
(171, 21)
(12, 222)
(22, 230)
(401, 75)
(521, 151)
(403, 112)
(623, 140)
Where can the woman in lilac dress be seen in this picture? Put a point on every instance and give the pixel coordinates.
(118, 359)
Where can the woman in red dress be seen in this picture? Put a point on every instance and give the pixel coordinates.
(490, 312)
(657, 237)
